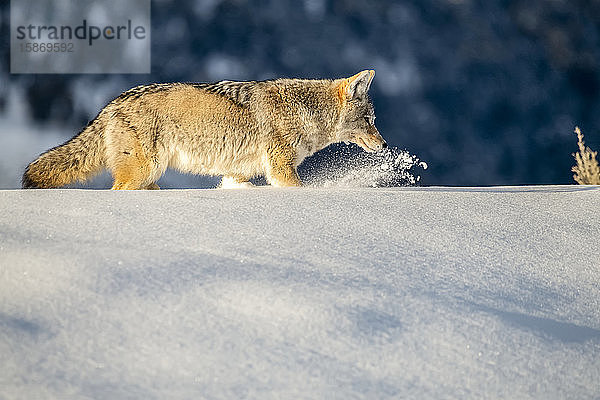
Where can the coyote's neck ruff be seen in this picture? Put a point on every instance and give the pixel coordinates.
(235, 129)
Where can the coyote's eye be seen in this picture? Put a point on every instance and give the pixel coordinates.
(370, 120)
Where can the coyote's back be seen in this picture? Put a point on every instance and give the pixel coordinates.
(235, 129)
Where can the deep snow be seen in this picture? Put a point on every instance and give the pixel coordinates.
(301, 293)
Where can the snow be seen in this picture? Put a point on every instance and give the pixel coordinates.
(308, 293)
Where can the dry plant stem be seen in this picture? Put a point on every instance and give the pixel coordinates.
(586, 171)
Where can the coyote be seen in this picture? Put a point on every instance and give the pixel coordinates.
(235, 129)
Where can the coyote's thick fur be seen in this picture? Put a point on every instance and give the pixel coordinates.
(235, 129)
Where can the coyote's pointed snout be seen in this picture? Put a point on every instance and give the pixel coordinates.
(370, 139)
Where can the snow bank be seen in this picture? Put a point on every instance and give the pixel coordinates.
(301, 293)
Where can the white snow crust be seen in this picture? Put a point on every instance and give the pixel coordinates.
(309, 293)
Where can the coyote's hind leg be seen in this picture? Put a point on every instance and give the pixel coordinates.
(132, 172)
(132, 166)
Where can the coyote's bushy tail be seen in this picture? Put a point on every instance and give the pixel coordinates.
(76, 160)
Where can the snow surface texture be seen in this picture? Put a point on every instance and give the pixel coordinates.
(300, 293)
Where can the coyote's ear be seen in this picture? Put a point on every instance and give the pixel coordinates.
(358, 85)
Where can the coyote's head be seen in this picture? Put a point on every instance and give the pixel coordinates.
(357, 117)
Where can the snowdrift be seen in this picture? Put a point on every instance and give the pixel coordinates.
(301, 293)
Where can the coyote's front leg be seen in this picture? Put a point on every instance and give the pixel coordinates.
(281, 170)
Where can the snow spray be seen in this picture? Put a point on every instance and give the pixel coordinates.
(346, 167)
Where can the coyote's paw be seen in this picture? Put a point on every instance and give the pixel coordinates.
(229, 182)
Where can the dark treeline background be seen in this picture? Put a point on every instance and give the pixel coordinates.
(487, 92)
